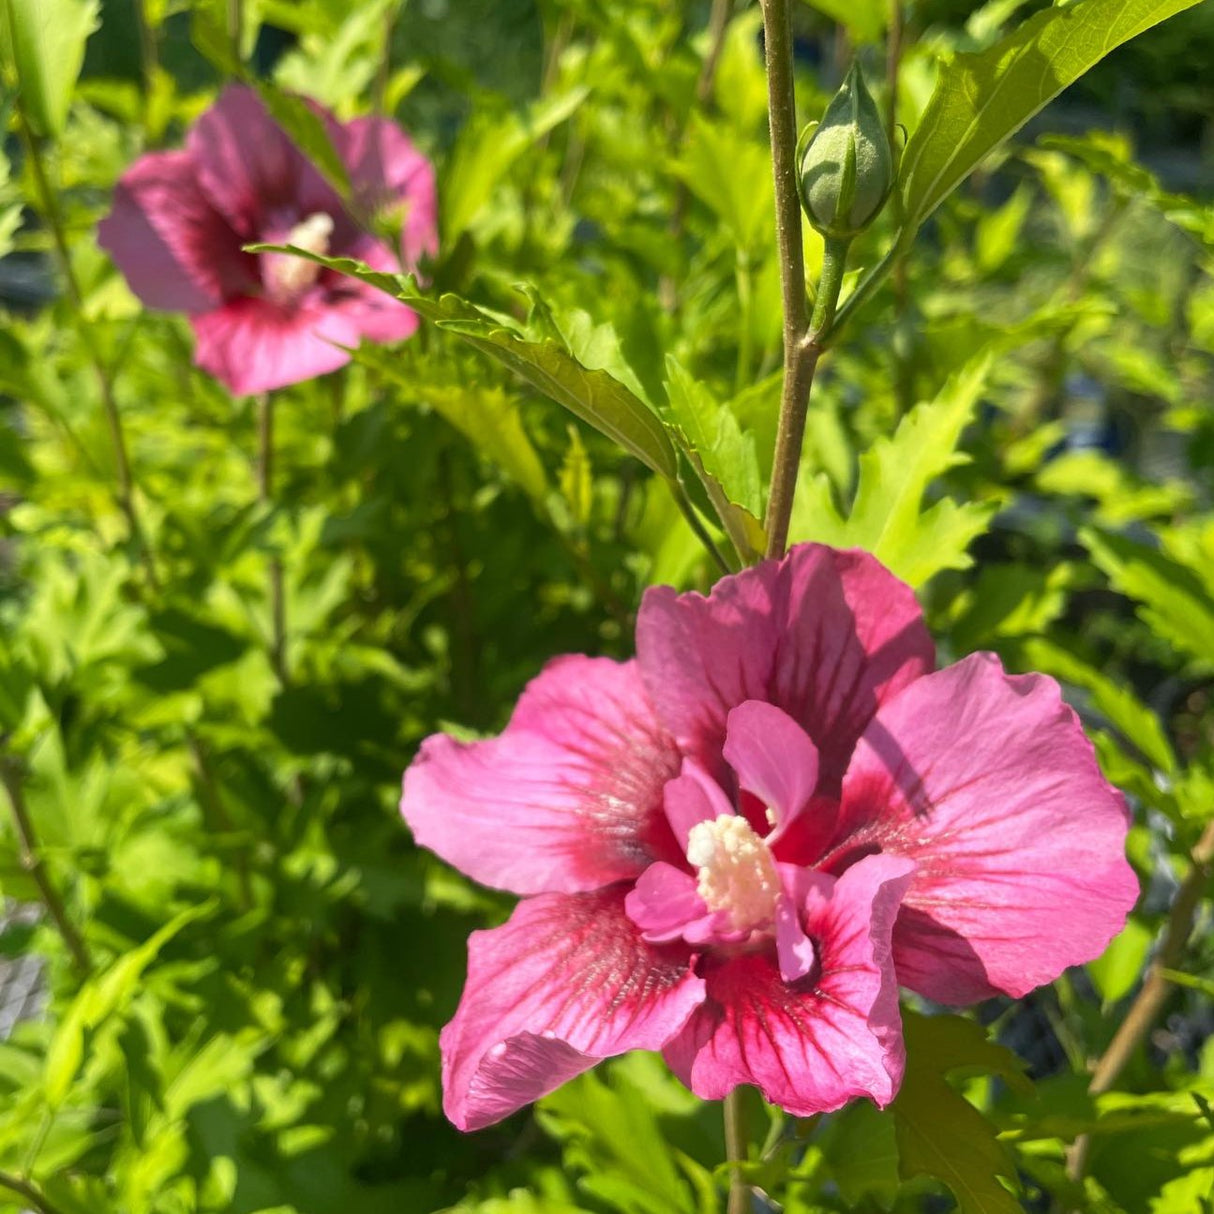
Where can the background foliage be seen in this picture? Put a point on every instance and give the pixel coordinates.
(245, 1016)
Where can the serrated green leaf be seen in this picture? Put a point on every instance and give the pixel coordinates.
(887, 517)
(308, 133)
(42, 46)
(598, 398)
(723, 456)
(101, 997)
(1172, 600)
(483, 414)
(939, 1133)
(983, 98)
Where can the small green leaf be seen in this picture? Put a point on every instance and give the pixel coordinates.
(42, 44)
(577, 483)
(939, 1133)
(1116, 970)
(487, 148)
(887, 517)
(1173, 600)
(981, 99)
(864, 20)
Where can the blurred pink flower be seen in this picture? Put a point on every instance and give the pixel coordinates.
(180, 220)
(736, 847)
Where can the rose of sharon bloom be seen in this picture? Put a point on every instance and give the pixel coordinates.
(262, 321)
(737, 846)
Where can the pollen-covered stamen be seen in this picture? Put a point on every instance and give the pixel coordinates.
(286, 276)
(736, 872)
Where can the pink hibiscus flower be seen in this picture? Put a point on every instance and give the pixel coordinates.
(180, 221)
(737, 846)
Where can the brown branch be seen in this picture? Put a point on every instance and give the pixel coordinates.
(1155, 989)
(28, 1192)
(31, 861)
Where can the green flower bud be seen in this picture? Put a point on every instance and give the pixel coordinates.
(846, 169)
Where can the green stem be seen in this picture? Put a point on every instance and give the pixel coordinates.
(735, 1152)
(865, 289)
(693, 521)
(265, 493)
(28, 1192)
(798, 380)
(50, 209)
(235, 27)
(31, 861)
(148, 53)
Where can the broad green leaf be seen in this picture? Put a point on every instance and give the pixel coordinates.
(1172, 599)
(939, 1133)
(863, 1155)
(1009, 600)
(1122, 497)
(1135, 721)
(42, 45)
(982, 99)
(1116, 970)
(864, 20)
(487, 148)
(887, 517)
(598, 398)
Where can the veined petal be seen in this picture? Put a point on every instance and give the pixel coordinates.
(812, 1045)
(826, 636)
(374, 315)
(566, 982)
(987, 781)
(568, 798)
(256, 345)
(174, 249)
(664, 902)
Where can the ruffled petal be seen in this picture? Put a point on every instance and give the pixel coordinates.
(812, 1045)
(987, 781)
(255, 345)
(827, 636)
(567, 798)
(388, 172)
(773, 758)
(566, 982)
(251, 171)
(174, 249)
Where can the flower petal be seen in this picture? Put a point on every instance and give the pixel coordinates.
(387, 171)
(373, 314)
(827, 636)
(988, 782)
(812, 1045)
(251, 171)
(567, 981)
(664, 901)
(692, 798)
(773, 758)
(255, 345)
(173, 248)
(567, 798)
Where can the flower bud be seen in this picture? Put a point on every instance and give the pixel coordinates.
(847, 169)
